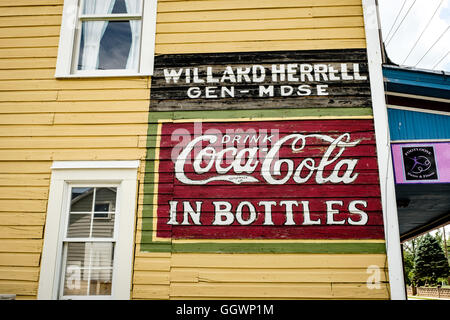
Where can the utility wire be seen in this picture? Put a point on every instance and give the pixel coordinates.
(440, 60)
(395, 20)
(409, 9)
(423, 31)
(442, 34)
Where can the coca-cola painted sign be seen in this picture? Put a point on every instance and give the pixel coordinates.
(291, 179)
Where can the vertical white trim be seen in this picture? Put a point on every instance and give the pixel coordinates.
(148, 36)
(387, 184)
(66, 38)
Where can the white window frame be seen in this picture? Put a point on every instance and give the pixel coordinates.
(65, 174)
(68, 51)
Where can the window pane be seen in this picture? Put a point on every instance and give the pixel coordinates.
(109, 45)
(104, 7)
(127, 6)
(88, 268)
(105, 200)
(81, 199)
(103, 225)
(99, 7)
(79, 226)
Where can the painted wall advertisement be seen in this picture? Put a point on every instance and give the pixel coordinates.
(268, 179)
(260, 177)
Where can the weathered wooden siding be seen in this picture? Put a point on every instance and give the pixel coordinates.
(258, 25)
(43, 119)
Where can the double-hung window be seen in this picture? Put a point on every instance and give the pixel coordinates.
(89, 231)
(106, 38)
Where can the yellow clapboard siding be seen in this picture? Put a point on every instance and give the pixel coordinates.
(74, 106)
(32, 2)
(42, 168)
(65, 84)
(34, 42)
(19, 273)
(276, 13)
(19, 259)
(150, 292)
(26, 297)
(88, 95)
(278, 24)
(277, 260)
(28, 52)
(249, 4)
(270, 275)
(27, 74)
(64, 142)
(251, 291)
(38, 20)
(260, 46)
(360, 291)
(152, 264)
(21, 32)
(27, 63)
(30, 10)
(43, 118)
(23, 205)
(91, 118)
(75, 130)
(29, 96)
(71, 154)
(13, 245)
(24, 193)
(22, 219)
(21, 232)
(18, 287)
(151, 277)
(298, 34)
(19, 179)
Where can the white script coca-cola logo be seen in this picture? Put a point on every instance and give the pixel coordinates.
(238, 165)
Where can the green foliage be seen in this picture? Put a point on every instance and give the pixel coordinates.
(408, 259)
(430, 262)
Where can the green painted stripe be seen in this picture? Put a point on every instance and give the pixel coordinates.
(288, 247)
(258, 113)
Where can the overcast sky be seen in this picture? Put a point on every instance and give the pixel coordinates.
(401, 42)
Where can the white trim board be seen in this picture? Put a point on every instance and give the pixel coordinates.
(443, 113)
(387, 184)
(125, 164)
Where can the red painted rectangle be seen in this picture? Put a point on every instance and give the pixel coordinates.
(299, 179)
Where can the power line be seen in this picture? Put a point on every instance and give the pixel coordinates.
(409, 9)
(440, 60)
(423, 31)
(398, 14)
(442, 34)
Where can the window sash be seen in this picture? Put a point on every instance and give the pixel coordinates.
(92, 212)
(63, 275)
(77, 48)
(68, 42)
(110, 17)
(65, 241)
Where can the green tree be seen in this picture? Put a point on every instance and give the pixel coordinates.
(408, 263)
(430, 262)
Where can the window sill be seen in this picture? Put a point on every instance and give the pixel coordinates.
(101, 75)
